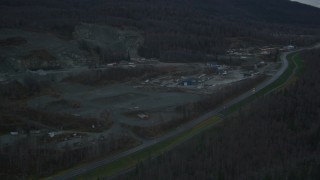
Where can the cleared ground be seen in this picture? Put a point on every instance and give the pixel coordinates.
(117, 99)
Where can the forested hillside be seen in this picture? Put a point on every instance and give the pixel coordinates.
(174, 30)
(276, 139)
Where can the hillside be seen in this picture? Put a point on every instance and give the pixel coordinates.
(276, 139)
(91, 84)
(176, 30)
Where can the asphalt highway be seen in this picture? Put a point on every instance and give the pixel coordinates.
(185, 127)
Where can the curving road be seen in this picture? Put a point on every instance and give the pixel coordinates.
(91, 166)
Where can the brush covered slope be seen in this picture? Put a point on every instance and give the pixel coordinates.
(172, 30)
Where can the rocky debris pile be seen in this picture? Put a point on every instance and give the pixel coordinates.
(40, 59)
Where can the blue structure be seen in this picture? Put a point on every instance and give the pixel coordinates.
(189, 82)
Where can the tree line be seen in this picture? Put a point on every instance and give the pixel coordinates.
(172, 30)
(275, 137)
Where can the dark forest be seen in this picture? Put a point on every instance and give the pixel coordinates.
(276, 139)
(173, 30)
